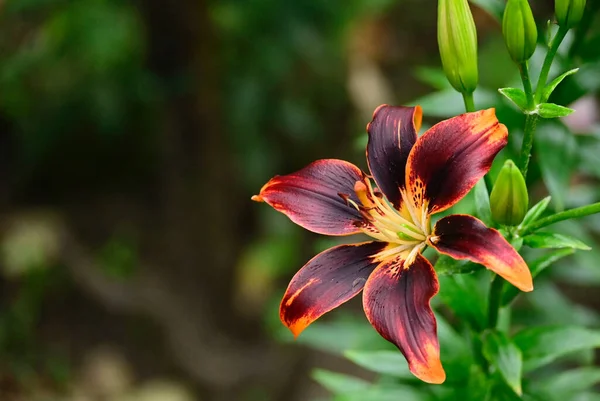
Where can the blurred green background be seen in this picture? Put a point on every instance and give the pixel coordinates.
(134, 132)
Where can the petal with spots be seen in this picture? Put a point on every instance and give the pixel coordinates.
(392, 134)
(449, 159)
(326, 281)
(396, 300)
(317, 197)
(465, 237)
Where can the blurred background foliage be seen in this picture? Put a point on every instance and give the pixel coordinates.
(132, 135)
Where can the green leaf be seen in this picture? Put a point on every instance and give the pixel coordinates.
(542, 345)
(556, 152)
(535, 212)
(390, 363)
(505, 356)
(516, 96)
(566, 385)
(551, 110)
(385, 393)
(338, 335)
(462, 294)
(339, 383)
(501, 392)
(477, 387)
(482, 202)
(536, 267)
(553, 240)
(448, 266)
(552, 85)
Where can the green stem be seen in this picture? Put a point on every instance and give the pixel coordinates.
(524, 70)
(530, 124)
(469, 102)
(566, 215)
(541, 84)
(495, 296)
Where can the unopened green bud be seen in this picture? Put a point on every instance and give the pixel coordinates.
(457, 40)
(509, 198)
(569, 12)
(519, 30)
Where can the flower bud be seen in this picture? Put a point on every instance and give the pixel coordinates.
(457, 40)
(519, 30)
(569, 12)
(509, 198)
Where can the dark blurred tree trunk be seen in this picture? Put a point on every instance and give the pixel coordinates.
(198, 239)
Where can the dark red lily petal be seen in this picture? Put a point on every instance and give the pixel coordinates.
(327, 281)
(396, 302)
(392, 134)
(449, 159)
(465, 237)
(314, 197)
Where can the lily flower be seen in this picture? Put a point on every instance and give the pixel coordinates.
(415, 178)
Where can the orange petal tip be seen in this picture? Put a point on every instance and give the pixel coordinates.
(296, 329)
(433, 374)
(257, 198)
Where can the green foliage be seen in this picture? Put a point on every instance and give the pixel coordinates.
(554, 83)
(504, 356)
(535, 212)
(542, 345)
(517, 96)
(551, 110)
(553, 240)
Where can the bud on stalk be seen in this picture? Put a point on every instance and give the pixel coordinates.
(569, 12)
(457, 40)
(509, 198)
(519, 30)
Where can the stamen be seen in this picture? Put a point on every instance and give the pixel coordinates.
(393, 251)
(413, 255)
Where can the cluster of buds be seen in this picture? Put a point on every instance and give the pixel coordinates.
(457, 36)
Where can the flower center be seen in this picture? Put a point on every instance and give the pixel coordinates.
(406, 229)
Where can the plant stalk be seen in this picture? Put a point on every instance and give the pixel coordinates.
(530, 124)
(524, 71)
(469, 102)
(566, 215)
(541, 84)
(494, 299)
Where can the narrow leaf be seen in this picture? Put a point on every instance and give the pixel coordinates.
(566, 385)
(515, 95)
(542, 345)
(338, 383)
(385, 392)
(551, 110)
(536, 267)
(552, 85)
(385, 362)
(553, 240)
(505, 356)
(535, 212)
